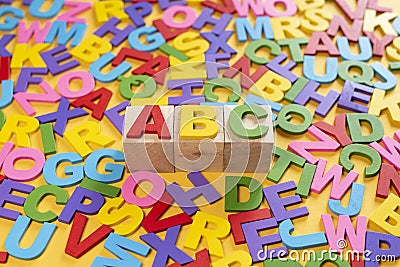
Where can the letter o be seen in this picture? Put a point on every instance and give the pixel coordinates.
(24, 175)
(131, 183)
(170, 13)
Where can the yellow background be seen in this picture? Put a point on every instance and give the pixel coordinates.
(316, 203)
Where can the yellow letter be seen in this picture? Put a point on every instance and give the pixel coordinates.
(220, 229)
(22, 53)
(271, 86)
(107, 9)
(92, 135)
(113, 213)
(91, 48)
(190, 120)
(387, 211)
(22, 126)
(286, 28)
(380, 102)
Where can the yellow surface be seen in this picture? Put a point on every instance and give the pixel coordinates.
(316, 203)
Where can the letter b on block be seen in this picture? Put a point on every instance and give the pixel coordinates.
(199, 138)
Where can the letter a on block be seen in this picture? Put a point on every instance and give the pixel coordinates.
(148, 138)
(142, 125)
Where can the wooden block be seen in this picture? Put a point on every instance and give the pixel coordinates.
(204, 150)
(242, 154)
(147, 152)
